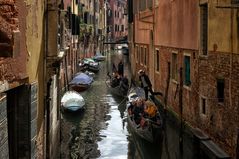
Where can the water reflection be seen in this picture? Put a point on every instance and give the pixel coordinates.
(114, 144)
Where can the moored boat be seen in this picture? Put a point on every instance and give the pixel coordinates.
(81, 82)
(72, 101)
(99, 57)
(148, 123)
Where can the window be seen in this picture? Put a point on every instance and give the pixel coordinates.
(220, 90)
(157, 60)
(145, 56)
(204, 28)
(187, 79)
(122, 27)
(203, 105)
(142, 54)
(138, 54)
(142, 5)
(174, 66)
(116, 27)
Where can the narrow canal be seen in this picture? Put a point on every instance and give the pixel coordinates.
(101, 131)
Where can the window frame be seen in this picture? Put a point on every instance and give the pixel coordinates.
(157, 60)
(172, 68)
(203, 45)
(184, 70)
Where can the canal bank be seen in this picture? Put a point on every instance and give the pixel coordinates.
(181, 140)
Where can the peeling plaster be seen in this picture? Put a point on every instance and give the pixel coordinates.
(4, 85)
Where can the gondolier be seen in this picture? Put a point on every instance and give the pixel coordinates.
(145, 83)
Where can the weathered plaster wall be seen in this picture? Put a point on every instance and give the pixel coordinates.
(176, 24)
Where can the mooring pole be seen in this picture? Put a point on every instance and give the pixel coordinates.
(181, 112)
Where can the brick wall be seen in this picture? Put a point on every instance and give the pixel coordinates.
(221, 120)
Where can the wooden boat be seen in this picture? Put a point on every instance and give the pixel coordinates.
(152, 128)
(99, 57)
(116, 89)
(81, 82)
(72, 101)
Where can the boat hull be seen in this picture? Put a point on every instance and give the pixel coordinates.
(80, 87)
(116, 90)
(151, 131)
(72, 101)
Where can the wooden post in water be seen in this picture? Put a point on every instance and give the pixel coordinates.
(181, 112)
(165, 112)
(167, 86)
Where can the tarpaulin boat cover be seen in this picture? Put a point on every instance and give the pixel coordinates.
(82, 78)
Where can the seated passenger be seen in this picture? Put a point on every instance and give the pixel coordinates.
(138, 111)
(150, 109)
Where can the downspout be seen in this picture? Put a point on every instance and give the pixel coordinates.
(46, 89)
(231, 56)
(44, 73)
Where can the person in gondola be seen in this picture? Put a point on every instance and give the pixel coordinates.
(124, 84)
(145, 83)
(121, 68)
(138, 111)
(115, 80)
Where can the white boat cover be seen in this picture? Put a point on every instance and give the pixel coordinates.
(72, 100)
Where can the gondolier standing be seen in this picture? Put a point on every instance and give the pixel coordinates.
(145, 83)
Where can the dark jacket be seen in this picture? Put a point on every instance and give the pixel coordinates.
(121, 68)
(146, 80)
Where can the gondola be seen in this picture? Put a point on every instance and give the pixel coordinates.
(151, 130)
(72, 101)
(117, 87)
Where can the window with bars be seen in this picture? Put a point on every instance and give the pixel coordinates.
(204, 28)
(174, 66)
(187, 74)
(157, 60)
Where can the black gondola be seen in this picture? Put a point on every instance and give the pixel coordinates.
(152, 129)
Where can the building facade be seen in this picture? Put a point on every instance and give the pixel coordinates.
(169, 36)
(39, 46)
(117, 20)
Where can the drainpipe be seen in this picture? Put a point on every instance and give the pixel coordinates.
(46, 88)
(44, 72)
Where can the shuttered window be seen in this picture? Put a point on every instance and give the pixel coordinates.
(174, 66)
(187, 78)
(145, 56)
(141, 54)
(157, 60)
